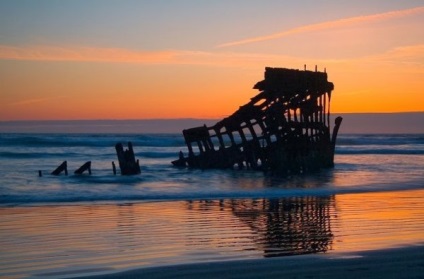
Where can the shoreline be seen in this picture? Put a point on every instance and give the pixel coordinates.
(221, 238)
(403, 262)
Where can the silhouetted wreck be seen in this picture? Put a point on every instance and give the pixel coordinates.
(284, 129)
(127, 162)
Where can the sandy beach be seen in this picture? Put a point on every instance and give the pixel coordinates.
(407, 262)
(343, 236)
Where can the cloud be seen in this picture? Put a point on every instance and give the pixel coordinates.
(35, 101)
(84, 54)
(117, 55)
(328, 25)
(406, 54)
(403, 57)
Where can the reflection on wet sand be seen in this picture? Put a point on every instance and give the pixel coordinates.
(279, 227)
(71, 239)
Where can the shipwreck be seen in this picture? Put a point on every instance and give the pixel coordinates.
(285, 129)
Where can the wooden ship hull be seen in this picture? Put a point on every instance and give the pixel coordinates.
(285, 129)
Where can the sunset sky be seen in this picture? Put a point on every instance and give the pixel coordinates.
(103, 59)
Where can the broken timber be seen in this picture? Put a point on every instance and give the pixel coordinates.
(61, 168)
(127, 162)
(85, 167)
(284, 129)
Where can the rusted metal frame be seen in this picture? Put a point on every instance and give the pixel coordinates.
(328, 110)
(297, 113)
(219, 136)
(316, 113)
(264, 130)
(207, 144)
(200, 146)
(321, 108)
(324, 108)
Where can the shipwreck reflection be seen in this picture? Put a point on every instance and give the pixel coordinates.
(278, 227)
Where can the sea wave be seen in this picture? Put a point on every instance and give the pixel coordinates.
(382, 139)
(23, 155)
(158, 155)
(379, 151)
(173, 140)
(150, 195)
(94, 140)
(39, 155)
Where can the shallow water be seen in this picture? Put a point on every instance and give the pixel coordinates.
(364, 163)
(68, 240)
(58, 226)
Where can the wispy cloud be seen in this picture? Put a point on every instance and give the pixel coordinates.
(81, 54)
(36, 101)
(406, 54)
(328, 25)
(116, 55)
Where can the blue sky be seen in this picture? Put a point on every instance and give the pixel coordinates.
(53, 54)
(184, 24)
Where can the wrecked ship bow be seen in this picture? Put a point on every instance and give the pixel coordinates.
(285, 129)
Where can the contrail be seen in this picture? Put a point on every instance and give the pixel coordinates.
(327, 25)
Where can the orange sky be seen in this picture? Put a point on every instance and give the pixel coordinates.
(373, 55)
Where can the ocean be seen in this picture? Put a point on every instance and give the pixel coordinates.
(65, 226)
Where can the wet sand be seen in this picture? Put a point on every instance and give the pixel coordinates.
(391, 263)
(293, 236)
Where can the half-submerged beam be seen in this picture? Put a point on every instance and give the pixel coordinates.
(127, 162)
(85, 167)
(61, 168)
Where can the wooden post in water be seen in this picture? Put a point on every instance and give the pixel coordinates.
(127, 162)
(83, 168)
(113, 168)
(337, 123)
(61, 168)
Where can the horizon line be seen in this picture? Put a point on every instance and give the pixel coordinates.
(180, 118)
